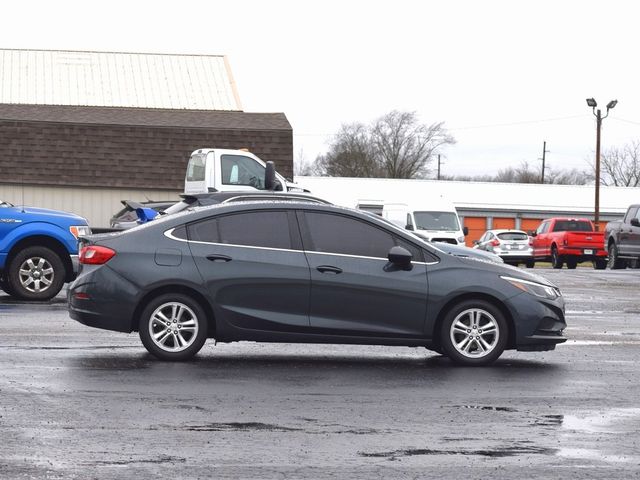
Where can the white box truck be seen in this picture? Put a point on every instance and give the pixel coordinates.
(224, 170)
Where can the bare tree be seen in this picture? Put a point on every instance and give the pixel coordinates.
(568, 177)
(304, 167)
(521, 174)
(403, 146)
(350, 154)
(620, 166)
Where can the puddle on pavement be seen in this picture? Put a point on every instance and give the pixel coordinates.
(609, 421)
(549, 421)
(237, 427)
(487, 407)
(499, 452)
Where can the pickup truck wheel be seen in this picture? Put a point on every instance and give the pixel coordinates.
(572, 263)
(599, 263)
(35, 273)
(556, 261)
(614, 262)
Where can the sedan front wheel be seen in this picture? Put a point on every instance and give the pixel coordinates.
(474, 332)
(173, 327)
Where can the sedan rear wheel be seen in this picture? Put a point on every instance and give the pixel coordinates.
(173, 327)
(474, 333)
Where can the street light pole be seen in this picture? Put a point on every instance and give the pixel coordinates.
(598, 114)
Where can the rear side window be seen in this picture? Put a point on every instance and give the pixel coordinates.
(254, 229)
(572, 226)
(339, 234)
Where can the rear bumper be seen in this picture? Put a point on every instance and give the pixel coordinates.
(583, 252)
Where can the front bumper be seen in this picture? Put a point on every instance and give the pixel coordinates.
(539, 323)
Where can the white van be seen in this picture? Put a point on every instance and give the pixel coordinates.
(435, 221)
(223, 170)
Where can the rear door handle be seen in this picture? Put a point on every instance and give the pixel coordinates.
(329, 269)
(219, 258)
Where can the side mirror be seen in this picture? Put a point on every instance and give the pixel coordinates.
(409, 227)
(476, 242)
(270, 176)
(635, 222)
(146, 214)
(400, 256)
(534, 234)
(465, 231)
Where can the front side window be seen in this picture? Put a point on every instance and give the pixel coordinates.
(542, 228)
(442, 221)
(241, 170)
(254, 229)
(339, 234)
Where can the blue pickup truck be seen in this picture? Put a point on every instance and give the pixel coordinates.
(38, 250)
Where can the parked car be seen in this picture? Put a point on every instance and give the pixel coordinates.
(510, 245)
(622, 240)
(128, 218)
(306, 272)
(38, 250)
(570, 240)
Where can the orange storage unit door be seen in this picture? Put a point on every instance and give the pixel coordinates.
(477, 226)
(507, 223)
(530, 224)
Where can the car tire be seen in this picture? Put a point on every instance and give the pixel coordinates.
(530, 263)
(599, 263)
(163, 324)
(614, 262)
(556, 260)
(35, 273)
(473, 333)
(572, 263)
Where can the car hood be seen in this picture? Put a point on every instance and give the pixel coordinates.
(35, 214)
(506, 270)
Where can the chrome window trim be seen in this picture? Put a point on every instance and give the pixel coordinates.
(169, 234)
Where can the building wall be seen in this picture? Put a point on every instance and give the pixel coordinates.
(122, 156)
(97, 205)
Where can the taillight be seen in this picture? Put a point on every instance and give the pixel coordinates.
(96, 255)
(495, 242)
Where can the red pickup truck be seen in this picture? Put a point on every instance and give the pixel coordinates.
(570, 240)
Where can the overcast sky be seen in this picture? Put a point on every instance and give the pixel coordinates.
(503, 75)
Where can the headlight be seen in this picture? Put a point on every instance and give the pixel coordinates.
(80, 230)
(536, 289)
(460, 239)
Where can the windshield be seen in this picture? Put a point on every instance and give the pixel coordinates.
(5, 204)
(513, 236)
(444, 221)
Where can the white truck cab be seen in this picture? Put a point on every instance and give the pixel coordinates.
(222, 170)
(434, 220)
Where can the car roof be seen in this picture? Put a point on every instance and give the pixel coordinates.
(258, 195)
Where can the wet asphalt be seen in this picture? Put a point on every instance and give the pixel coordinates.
(77, 402)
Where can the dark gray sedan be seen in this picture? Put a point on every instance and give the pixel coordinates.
(307, 273)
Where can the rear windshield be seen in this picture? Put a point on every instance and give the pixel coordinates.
(572, 226)
(195, 168)
(513, 236)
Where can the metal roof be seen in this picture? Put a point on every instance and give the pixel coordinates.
(108, 79)
(475, 196)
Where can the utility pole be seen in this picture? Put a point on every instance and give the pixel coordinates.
(598, 114)
(439, 166)
(544, 152)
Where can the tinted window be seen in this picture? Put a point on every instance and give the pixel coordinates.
(572, 226)
(339, 234)
(180, 232)
(204, 231)
(256, 229)
(241, 170)
(513, 236)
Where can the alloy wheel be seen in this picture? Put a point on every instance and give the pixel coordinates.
(474, 333)
(36, 274)
(173, 327)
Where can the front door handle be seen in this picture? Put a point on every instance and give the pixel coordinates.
(219, 258)
(329, 269)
